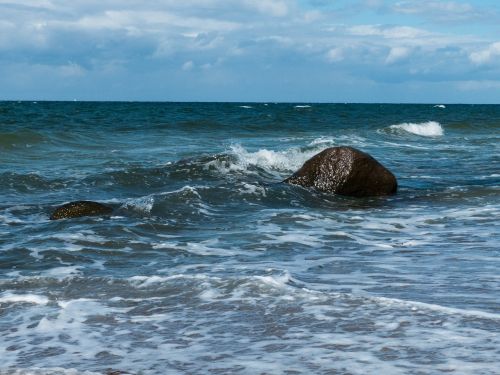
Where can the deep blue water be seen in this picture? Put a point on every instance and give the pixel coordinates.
(210, 265)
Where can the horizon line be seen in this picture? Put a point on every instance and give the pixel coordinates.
(231, 102)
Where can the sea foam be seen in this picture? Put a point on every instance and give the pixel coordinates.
(25, 298)
(425, 129)
(286, 160)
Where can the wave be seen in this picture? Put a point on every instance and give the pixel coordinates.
(22, 139)
(414, 305)
(424, 129)
(50, 371)
(287, 160)
(30, 182)
(23, 298)
(267, 164)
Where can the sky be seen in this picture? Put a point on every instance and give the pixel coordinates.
(417, 51)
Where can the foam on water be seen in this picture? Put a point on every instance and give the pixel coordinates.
(142, 205)
(298, 328)
(424, 129)
(48, 371)
(282, 161)
(209, 265)
(26, 298)
(414, 305)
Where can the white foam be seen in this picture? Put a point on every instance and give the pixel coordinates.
(414, 305)
(439, 106)
(145, 281)
(87, 236)
(207, 248)
(48, 371)
(63, 272)
(276, 281)
(322, 141)
(140, 281)
(287, 160)
(27, 298)
(246, 106)
(142, 204)
(425, 129)
(253, 189)
(297, 238)
(9, 219)
(302, 106)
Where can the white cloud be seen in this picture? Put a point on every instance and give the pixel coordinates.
(486, 55)
(335, 55)
(389, 32)
(188, 65)
(397, 54)
(29, 3)
(236, 37)
(276, 8)
(312, 16)
(442, 7)
(147, 22)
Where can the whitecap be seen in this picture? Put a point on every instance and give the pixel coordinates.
(84, 236)
(415, 305)
(302, 106)
(322, 141)
(246, 106)
(142, 204)
(279, 281)
(9, 219)
(26, 298)
(207, 248)
(296, 238)
(63, 272)
(288, 160)
(252, 189)
(439, 106)
(48, 371)
(425, 129)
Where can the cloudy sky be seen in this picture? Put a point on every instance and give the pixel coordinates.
(251, 50)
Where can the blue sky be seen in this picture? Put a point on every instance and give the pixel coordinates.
(251, 50)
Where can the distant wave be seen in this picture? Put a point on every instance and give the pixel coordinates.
(302, 106)
(439, 106)
(425, 129)
(246, 106)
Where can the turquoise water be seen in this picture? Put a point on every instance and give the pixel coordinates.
(210, 265)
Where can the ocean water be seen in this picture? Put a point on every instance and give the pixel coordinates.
(210, 265)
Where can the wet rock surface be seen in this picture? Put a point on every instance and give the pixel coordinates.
(79, 209)
(345, 171)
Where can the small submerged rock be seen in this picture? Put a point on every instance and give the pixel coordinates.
(345, 171)
(79, 209)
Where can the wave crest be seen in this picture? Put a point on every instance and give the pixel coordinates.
(274, 161)
(425, 129)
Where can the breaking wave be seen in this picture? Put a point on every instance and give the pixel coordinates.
(424, 129)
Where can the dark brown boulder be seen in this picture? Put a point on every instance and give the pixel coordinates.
(80, 208)
(345, 171)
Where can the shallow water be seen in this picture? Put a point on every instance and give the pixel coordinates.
(210, 265)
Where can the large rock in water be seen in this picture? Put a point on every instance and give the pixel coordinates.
(345, 171)
(80, 208)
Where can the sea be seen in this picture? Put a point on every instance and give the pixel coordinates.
(209, 264)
